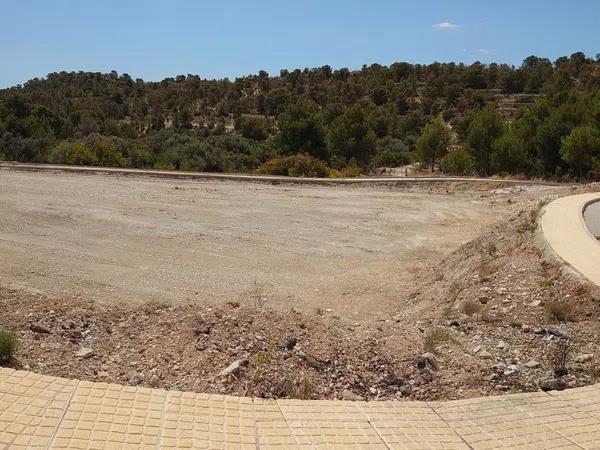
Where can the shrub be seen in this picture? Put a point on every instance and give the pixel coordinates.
(300, 165)
(435, 338)
(457, 162)
(559, 310)
(8, 345)
(471, 307)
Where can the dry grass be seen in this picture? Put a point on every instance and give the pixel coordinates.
(302, 388)
(559, 357)
(471, 307)
(559, 310)
(435, 338)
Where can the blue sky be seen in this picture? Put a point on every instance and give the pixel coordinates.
(154, 39)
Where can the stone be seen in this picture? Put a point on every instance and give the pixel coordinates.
(485, 355)
(532, 364)
(405, 390)
(586, 357)
(501, 345)
(291, 343)
(85, 352)
(204, 328)
(484, 299)
(39, 328)
(350, 396)
(526, 328)
(134, 378)
(154, 381)
(552, 384)
(476, 349)
(427, 360)
(233, 368)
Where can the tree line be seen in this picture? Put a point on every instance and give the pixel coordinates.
(541, 119)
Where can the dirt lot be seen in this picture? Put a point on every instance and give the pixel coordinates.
(404, 292)
(122, 239)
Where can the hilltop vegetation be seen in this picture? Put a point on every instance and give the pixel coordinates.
(540, 119)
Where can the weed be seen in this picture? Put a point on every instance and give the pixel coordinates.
(8, 345)
(435, 338)
(560, 356)
(486, 268)
(528, 223)
(301, 388)
(470, 307)
(491, 249)
(257, 296)
(550, 276)
(559, 310)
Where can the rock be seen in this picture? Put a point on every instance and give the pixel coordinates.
(204, 328)
(50, 345)
(291, 343)
(539, 331)
(476, 349)
(405, 390)
(427, 360)
(511, 370)
(555, 332)
(501, 345)
(39, 328)
(154, 381)
(85, 352)
(552, 384)
(233, 368)
(454, 324)
(484, 299)
(350, 396)
(533, 364)
(526, 328)
(586, 357)
(134, 378)
(485, 355)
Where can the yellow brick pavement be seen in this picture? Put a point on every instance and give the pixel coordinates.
(43, 412)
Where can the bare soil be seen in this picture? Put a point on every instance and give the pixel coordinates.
(131, 239)
(418, 292)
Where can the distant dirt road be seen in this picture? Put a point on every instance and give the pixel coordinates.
(117, 238)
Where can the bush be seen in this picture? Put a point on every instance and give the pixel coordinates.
(300, 165)
(458, 162)
(8, 345)
(558, 310)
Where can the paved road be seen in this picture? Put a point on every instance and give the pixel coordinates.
(566, 234)
(592, 218)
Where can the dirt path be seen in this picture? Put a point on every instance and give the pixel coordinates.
(134, 239)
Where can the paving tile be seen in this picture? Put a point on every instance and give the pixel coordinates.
(41, 412)
(31, 408)
(330, 423)
(517, 421)
(411, 425)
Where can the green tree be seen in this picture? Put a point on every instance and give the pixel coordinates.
(484, 129)
(301, 131)
(351, 135)
(433, 143)
(458, 162)
(67, 152)
(581, 148)
(509, 154)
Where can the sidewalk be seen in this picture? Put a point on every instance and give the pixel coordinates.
(47, 412)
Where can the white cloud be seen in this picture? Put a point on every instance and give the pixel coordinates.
(445, 26)
(485, 51)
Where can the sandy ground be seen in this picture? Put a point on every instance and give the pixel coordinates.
(125, 239)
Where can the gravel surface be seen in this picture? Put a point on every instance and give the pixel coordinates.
(125, 239)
